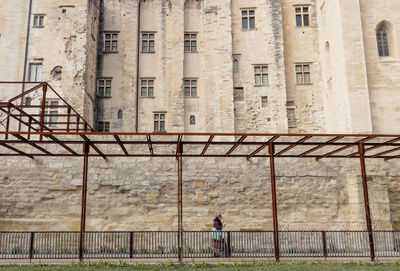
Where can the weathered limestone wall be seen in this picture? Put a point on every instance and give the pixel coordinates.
(65, 45)
(141, 194)
(260, 46)
(382, 72)
(302, 46)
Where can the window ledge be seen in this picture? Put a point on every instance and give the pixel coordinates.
(257, 86)
(387, 59)
(104, 52)
(192, 97)
(148, 52)
(38, 26)
(305, 84)
(193, 52)
(148, 97)
(248, 29)
(106, 97)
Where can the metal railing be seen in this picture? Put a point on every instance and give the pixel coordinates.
(196, 244)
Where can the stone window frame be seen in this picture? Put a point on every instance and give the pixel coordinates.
(148, 40)
(147, 84)
(261, 73)
(103, 88)
(192, 120)
(302, 72)
(248, 16)
(159, 121)
(38, 20)
(264, 101)
(190, 42)
(190, 87)
(51, 108)
(103, 126)
(235, 65)
(382, 42)
(302, 15)
(37, 68)
(110, 42)
(119, 114)
(291, 114)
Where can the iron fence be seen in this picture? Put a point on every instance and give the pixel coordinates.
(196, 244)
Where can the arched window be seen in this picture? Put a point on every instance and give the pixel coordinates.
(383, 45)
(120, 114)
(235, 66)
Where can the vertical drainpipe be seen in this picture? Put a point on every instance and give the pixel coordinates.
(137, 70)
(28, 29)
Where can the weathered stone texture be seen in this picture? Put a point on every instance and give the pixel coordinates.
(134, 194)
(352, 90)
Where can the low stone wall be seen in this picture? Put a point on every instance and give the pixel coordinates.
(141, 194)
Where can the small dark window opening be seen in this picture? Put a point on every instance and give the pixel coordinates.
(28, 101)
(64, 11)
(192, 120)
(120, 114)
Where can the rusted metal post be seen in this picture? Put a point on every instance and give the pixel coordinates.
(324, 244)
(86, 149)
(8, 119)
(43, 110)
(228, 244)
(68, 118)
(32, 240)
(271, 151)
(180, 226)
(29, 127)
(131, 245)
(77, 124)
(361, 151)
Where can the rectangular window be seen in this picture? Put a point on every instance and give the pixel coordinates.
(290, 107)
(159, 122)
(303, 74)
(261, 75)
(190, 42)
(35, 72)
(302, 16)
(248, 19)
(190, 87)
(51, 113)
(147, 88)
(110, 42)
(147, 42)
(104, 88)
(264, 101)
(103, 126)
(38, 20)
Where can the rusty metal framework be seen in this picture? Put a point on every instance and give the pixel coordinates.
(41, 138)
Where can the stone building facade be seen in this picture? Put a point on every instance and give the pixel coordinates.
(288, 66)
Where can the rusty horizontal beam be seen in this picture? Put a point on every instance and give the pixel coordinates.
(191, 155)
